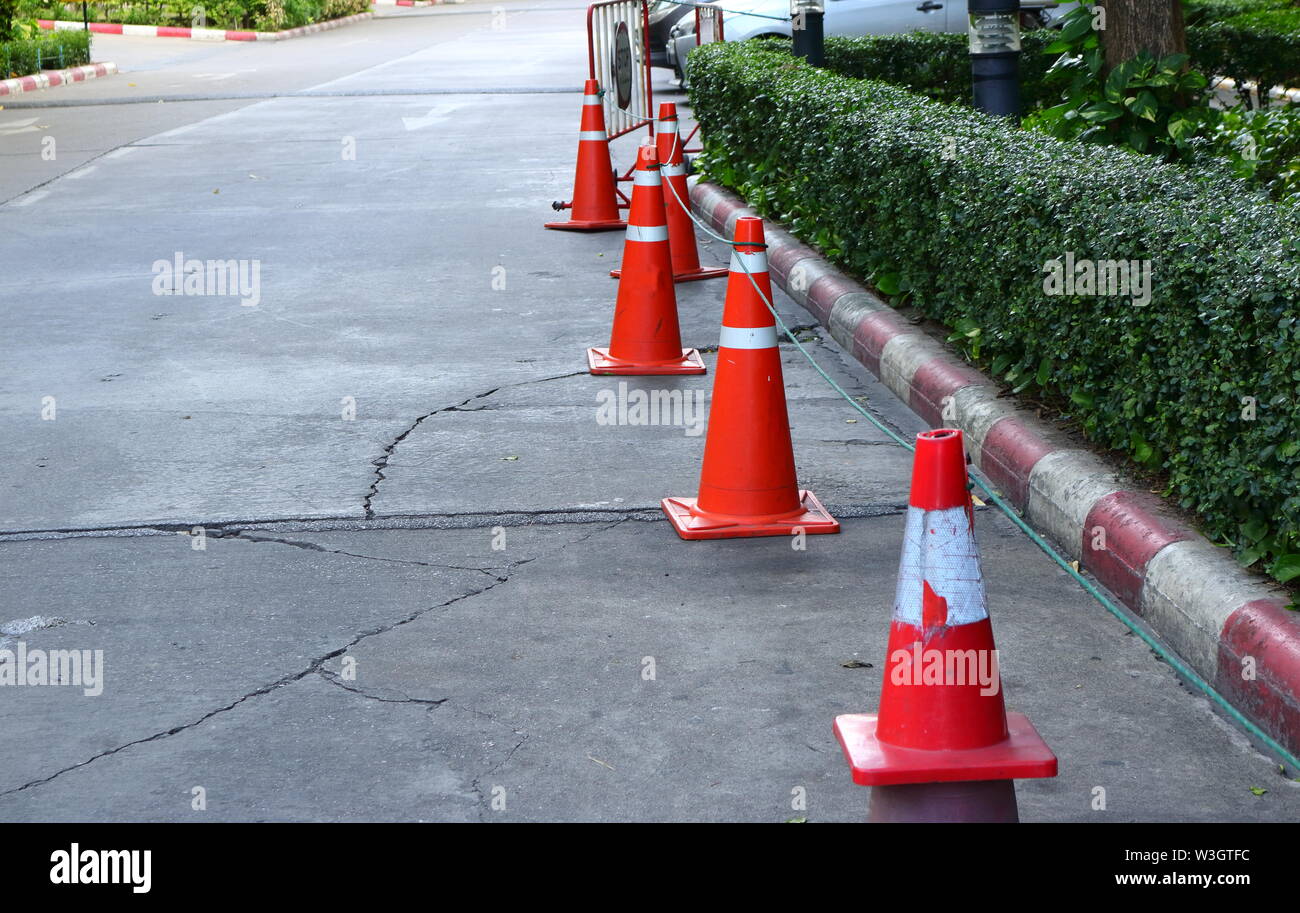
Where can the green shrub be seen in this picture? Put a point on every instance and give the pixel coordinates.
(259, 15)
(47, 51)
(1262, 147)
(8, 13)
(936, 64)
(1261, 47)
(1154, 105)
(965, 211)
(1198, 12)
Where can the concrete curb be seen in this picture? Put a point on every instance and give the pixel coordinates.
(1227, 623)
(51, 78)
(167, 31)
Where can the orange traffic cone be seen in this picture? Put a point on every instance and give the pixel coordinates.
(943, 747)
(747, 484)
(595, 204)
(681, 230)
(646, 338)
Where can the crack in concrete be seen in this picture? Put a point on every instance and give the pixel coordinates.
(336, 680)
(315, 667)
(381, 462)
(474, 784)
(314, 547)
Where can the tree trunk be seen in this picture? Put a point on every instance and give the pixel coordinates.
(1133, 26)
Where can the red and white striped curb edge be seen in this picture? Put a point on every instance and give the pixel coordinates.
(49, 78)
(1227, 623)
(168, 31)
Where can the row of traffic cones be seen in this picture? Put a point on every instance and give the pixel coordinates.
(942, 747)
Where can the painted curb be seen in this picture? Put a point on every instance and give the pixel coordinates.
(168, 31)
(1229, 624)
(50, 78)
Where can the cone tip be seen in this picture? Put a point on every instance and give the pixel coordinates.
(590, 87)
(647, 156)
(749, 230)
(667, 109)
(939, 478)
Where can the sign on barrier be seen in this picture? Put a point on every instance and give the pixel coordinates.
(618, 56)
(708, 25)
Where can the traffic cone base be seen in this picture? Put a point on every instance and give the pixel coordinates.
(600, 362)
(692, 276)
(1023, 754)
(607, 225)
(692, 523)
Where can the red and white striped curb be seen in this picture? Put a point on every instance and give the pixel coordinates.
(411, 2)
(1227, 623)
(49, 78)
(169, 31)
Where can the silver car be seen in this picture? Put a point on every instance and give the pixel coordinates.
(756, 18)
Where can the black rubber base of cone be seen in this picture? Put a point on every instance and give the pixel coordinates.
(972, 801)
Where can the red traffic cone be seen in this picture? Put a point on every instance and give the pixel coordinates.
(595, 204)
(681, 230)
(747, 484)
(943, 747)
(646, 338)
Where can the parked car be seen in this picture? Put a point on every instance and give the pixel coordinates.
(663, 15)
(760, 18)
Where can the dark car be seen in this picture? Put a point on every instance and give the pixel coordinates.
(663, 15)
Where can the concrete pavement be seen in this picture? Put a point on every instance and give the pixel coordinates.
(444, 606)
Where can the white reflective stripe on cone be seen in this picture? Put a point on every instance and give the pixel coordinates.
(939, 549)
(591, 134)
(646, 178)
(591, 99)
(647, 232)
(755, 262)
(666, 126)
(672, 171)
(747, 338)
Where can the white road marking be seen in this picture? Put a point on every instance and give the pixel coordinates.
(18, 126)
(436, 115)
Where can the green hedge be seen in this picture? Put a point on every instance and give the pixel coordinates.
(1198, 12)
(963, 211)
(1246, 40)
(1263, 48)
(52, 51)
(259, 15)
(935, 64)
